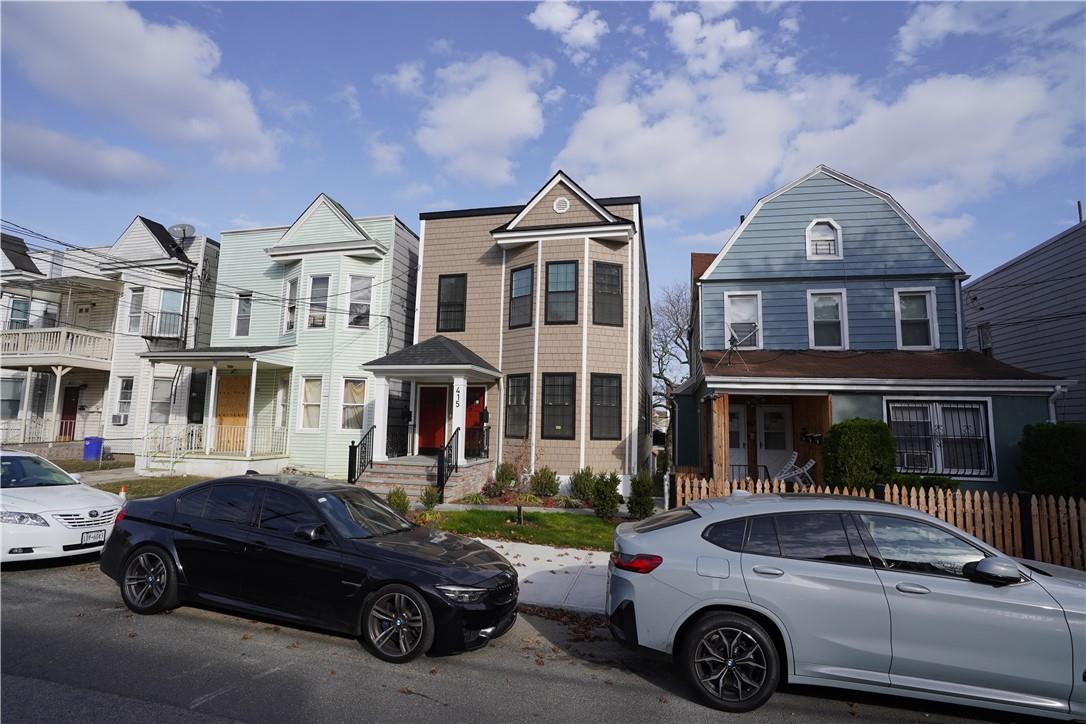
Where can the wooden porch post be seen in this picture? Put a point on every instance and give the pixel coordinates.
(209, 428)
(54, 424)
(720, 437)
(252, 411)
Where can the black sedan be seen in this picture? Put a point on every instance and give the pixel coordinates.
(316, 553)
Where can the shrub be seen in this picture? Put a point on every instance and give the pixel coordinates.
(582, 484)
(858, 452)
(493, 489)
(431, 496)
(529, 499)
(474, 499)
(544, 482)
(397, 499)
(640, 503)
(606, 498)
(506, 475)
(1053, 462)
(564, 501)
(941, 482)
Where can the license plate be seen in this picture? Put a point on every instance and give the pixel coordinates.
(94, 536)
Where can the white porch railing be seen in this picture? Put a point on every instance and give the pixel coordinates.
(40, 428)
(58, 341)
(182, 439)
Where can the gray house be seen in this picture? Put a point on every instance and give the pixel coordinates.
(830, 302)
(1031, 312)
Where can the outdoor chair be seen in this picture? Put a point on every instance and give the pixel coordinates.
(787, 467)
(800, 474)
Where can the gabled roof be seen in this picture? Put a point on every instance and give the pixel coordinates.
(846, 179)
(438, 351)
(16, 252)
(560, 177)
(165, 239)
(354, 231)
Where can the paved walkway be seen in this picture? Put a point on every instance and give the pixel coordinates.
(98, 477)
(567, 578)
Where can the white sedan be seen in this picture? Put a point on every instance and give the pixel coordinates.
(47, 513)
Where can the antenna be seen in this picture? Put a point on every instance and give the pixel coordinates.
(733, 348)
(182, 231)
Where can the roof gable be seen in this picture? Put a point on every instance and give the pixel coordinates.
(580, 207)
(146, 240)
(324, 221)
(16, 257)
(437, 351)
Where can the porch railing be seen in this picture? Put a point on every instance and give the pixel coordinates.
(58, 341)
(161, 324)
(447, 462)
(186, 439)
(360, 456)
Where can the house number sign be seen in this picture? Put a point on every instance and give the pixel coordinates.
(456, 398)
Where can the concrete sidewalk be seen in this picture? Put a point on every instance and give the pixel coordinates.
(566, 578)
(95, 478)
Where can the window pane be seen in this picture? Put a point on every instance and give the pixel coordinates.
(915, 334)
(827, 307)
(312, 390)
(561, 292)
(245, 310)
(914, 306)
(451, 299)
(161, 391)
(823, 240)
(964, 439)
(762, 538)
(558, 411)
(284, 513)
(311, 402)
(774, 434)
(814, 537)
(606, 399)
(727, 535)
(827, 334)
(193, 503)
(520, 298)
(743, 319)
(354, 409)
(11, 393)
(359, 314)
(912, 430)
(318, 302)
(607, 294)
(230, 503)
(292, 303)
(908, 545)
(124, 396)
(135, 311)
(826, 319)
(516, 407)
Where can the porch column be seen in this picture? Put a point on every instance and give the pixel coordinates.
(720, 438)
(59, 373)
(252, 410)
(209, 428)
(149, 393)
(459, 410)
(380, 418)
(24, 412)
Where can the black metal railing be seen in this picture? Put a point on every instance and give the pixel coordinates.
(477, 442)
(162, 324)
(447, 462)
(397, 444)
(360, 456)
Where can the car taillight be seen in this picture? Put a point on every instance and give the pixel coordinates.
(641, 563)
(120, 516)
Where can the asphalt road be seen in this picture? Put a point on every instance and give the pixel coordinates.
(72, 652)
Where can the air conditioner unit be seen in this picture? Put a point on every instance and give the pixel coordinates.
(917, 460)
(120, 420)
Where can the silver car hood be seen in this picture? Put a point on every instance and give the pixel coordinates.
(1066, 585)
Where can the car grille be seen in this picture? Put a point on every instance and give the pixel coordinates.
(83, 520)
(505, 592)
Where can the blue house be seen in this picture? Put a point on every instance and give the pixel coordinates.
(830, 302)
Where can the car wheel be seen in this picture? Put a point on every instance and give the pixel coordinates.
(397, 625)
(731, 662)
(149, 584)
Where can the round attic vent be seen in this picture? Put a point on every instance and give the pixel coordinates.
(561, 205)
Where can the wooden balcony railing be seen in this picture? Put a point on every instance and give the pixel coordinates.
(63, 341)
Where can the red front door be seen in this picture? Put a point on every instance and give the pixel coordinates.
(433, 407)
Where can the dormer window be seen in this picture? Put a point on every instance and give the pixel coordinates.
(823, 239)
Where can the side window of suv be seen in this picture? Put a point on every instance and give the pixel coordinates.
(918, 547)
(284, 513)
(230, 503)
(816, 536)
(762, 537)
(727, 535)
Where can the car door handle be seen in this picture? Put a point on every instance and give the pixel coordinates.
(912, 588)
(768, 571)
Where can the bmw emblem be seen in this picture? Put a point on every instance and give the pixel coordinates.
(93, 514)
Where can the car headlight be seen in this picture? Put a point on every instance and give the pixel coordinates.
(9, 516)
(462, 594)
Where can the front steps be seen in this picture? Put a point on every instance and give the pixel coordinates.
(415, 477)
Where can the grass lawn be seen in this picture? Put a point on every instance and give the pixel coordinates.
(150, 487)
(79, 466)
(556, 529)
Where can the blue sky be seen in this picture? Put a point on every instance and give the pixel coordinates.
(227, 115)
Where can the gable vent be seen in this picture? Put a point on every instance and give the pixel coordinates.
(561, 205)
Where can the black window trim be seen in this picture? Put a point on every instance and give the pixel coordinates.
(531, 297)
(592, 408)
(543, 406)
(576, 292)
(596, 264)
(527, 412)
(464, 324)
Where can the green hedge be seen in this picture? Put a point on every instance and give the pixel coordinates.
(858, 452)
(1054, 458)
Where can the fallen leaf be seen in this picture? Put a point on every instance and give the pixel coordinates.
(406, 691)
(331, 672)
(663, 699)
(433, 672)
(132, 634)
(246, 636)
(293, 645)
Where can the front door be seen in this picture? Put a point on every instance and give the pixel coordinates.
(737, 442)
(82, 316)
(68, 413)
(231, 414)
(475, 441)
(433, 408)
(774, 437)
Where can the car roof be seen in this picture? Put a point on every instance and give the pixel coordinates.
(742, 505)
(17, 454)
(303, 483)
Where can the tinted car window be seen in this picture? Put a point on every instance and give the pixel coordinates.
(814, 537)
(762, 538)
(284, 513)
(727, 535)
(665, 519)
(358, 513)
(913, 546)
(193, 503)
(230, 503)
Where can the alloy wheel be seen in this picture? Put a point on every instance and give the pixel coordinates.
(730, 664)
(145, 579)
(395, 624)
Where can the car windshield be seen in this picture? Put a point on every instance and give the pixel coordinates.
(27, 472)
(357, 513)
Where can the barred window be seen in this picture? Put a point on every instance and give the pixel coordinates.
(452, 293)
(517, 392)
(823, 240)
(559, 409)
(520, 297)
(561, 292)
(942, 437)
(607, 294)
(606, 406)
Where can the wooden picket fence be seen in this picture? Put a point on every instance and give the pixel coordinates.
(1055, 531)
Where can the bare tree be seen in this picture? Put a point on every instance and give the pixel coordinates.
(670, 340)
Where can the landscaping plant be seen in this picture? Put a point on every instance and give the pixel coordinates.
(431, 496)
(606, 498)
(640, 503)
(506, 475)
(397, 499)
(544, 482)
(1054, 458)
(858, 452)
(582, 485)
(474, 499)
(493, 489)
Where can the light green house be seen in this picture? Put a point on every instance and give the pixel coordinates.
(298, 310)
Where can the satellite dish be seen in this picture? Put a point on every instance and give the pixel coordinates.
(182, 231)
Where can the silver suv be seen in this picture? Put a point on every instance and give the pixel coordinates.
(751, 590)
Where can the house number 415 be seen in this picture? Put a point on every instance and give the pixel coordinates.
(456, 399)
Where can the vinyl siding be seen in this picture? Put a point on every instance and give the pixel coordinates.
(324, 226)
(543, 213)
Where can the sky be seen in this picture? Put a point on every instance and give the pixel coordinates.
(234, 115)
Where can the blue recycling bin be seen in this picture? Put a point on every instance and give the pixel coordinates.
(92, 448)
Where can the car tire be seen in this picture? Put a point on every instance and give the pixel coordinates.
(730, 661)
(397, 624)
(149, 581)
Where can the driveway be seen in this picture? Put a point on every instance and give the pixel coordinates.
(72, 652)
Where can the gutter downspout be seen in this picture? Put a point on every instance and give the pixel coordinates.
(1058, 391)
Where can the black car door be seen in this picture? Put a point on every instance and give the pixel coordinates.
(293, 575)
(212, 525)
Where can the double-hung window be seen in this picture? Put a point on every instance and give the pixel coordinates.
(20, 314)
(292, 306)
(11, 397)
(169, 313)
(312, 390)
(828, 320)
(243, 313)
(984, 338)
(358, 314)
(743, 316)
(559, 406)
(124, 396)
(607, 294)
(135, 310)
(318, 302)
(452, 297)
(517, 394)
(606, 407)
(161, 392)
(561, 306)
(354, 404)
(520, 296)
(916, 325)
(942, 437)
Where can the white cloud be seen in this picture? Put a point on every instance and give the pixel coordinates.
(285, 107)
(406, 79)
(441, 46)
(90, 165)
(482, 112)
(715, 9)
(348, 96)
(706, 45)
(554, 95)
(416, 189)
(789, 25)
(785, 66)
(711, 241)
(387, 157)
(164, 80)
(580, 31)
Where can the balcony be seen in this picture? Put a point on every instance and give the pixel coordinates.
(66, 346)
(161, 325)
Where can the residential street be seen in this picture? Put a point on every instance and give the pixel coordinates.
(71, 651)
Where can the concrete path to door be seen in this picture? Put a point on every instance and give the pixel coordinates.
(95, 478)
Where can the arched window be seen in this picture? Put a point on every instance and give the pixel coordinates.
(824, 239)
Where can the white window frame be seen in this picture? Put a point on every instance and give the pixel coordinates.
(935, 403)
(366, 391)
(139, 314)
(811, 294)
(234, 316)
(153, 402)
(347, 293)
(309, 301)
(727, 317)
(11, 312)
(302, 403)
(292, 302)
(120, 395)
(811, 256)
(933, 317)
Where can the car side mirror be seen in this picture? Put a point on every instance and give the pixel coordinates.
(996, 570)
(310, 533)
